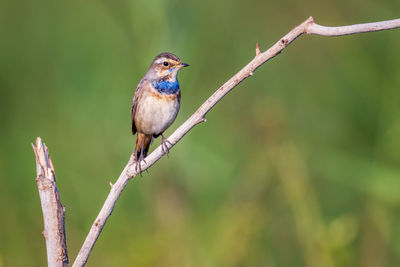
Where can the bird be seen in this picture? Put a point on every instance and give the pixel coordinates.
(155, 104)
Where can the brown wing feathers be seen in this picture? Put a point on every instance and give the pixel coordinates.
(134, 104)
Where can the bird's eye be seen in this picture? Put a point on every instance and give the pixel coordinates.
(165, 63)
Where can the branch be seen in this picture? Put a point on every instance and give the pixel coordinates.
(314, 28)
(53, 211)
(129, 171)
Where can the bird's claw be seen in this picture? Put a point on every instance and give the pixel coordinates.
(138, 167)
(164, 145)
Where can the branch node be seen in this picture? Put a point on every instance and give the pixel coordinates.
(111, 184)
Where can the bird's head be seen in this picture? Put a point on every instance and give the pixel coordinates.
(165, 67)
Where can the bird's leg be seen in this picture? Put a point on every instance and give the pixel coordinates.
(141, 158)
(138, 163)
(164, 146)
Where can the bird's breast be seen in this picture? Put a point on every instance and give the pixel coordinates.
(156, 111)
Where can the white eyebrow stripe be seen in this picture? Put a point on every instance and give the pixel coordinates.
(160, 60)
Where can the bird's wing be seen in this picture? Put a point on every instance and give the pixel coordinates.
(138, 93)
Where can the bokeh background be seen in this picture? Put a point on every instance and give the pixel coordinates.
(298, 166)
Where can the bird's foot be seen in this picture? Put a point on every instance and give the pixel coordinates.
(138, 167)
(164, 145)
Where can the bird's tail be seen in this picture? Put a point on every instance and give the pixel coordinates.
(142, 144)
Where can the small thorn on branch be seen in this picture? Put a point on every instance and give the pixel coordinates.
(111, 184)
(200, 120)
(257, 49)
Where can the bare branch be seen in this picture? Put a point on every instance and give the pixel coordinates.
(53, 211)
(352, 29)
(129, 171)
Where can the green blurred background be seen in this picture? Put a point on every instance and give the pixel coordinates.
(298, 166)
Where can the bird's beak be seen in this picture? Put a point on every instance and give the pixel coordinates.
(184, 65)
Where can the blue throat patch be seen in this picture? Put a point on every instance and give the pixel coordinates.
(166, 87)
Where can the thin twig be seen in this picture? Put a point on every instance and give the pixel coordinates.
(53, 211)
(130, 171)
(257, 49)
(353, 29)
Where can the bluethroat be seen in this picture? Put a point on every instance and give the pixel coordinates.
(156, 103)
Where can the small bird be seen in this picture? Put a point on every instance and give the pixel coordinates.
(156, 103)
